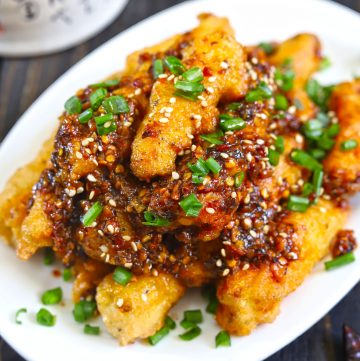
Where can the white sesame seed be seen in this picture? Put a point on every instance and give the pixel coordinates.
(172, 100)
(226, 272)
(155, 272)
(127, 124)
(91, 178)
(72, 192)
(210, 210)
(246, 266)
(204, 103)
(247, 199)
(249, 157)
(171, 77)
(103, 248)
(137, 91)
(85, 142)
(80, 190)
(266, 229)
(254, 60)
(126, 238)
(283, 235)
(162, 76)
(78, 155)
(111, 228)
(253, 233)
(218, 263)
(212, 79)
(224, 65)
(299, 138)
(163, 120)
(112, 202)
(247, 222)
(119, 302)
(293, 255)
(190, 136)
(134, 247)
(91, 195)
(233, 195)
(223, 253)
(260, 141)
(224, 155)
(101, 233)
(107, 125)
(210, 90)
(292, 109)
(193, 147)
(264, 192)
(262, 116)
(175, 175)
(197, 116)
(128, 265)
(323, 209)
(144, 297)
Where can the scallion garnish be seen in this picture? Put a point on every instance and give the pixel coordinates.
(73, 105)
(52, 297)
(197, 178)
(261, 92)
(84, 310)
(102, 119)
(191, 334)
(234, 106)
(325, 64)
(318, 154)
(85, 116)
(122, 276)
(317, 93)
(318, 176)
(333, 130)
(209, 292)
(348, 145)
(159, 335)
(91, 215)
(191, 205)
(152, 219)
(308, 188)
(49, 257)
(213, 165)
(313, 129)
(67, 274)
(97, 97)
(45, 318)
(304, 159)
(107, 128)
(91, 330)
(298, 204)
(213, 138)
(267, 47)
(274, 157)
(193, 316)
(200, 167)
(222, 339)
(280, 144)
(324, 142)
(238, 179)
(193, 75)
(227, 122)
(189, 87)
(116, 104)
(169, 322)
(105, 84)
(158, 68)
(17, 315)
(281, 103)
(174, 64)
(187, 324)
(340, 261)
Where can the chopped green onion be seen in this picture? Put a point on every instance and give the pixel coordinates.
(197, 178)
(17, 315)
(317, 93)
(169, 322)
(85, 116)
(274, 157)
(153, 219)
(116, 104)
(91, 215)
(158, 68)
(281, 103)
(348, 145)
(238, 179)
(73, 105)
(287, 80)
(313, 129)
(92, 330)
(49, 257)
(45, 318)
(159, 335)
(318, 154)
(213, 138)
(298, 204)
(200, 167)
(174, 65)
(298, 104)
(325, 64)
(189, 87)
(267, 47)
(280, 144)
(209, 292)
(67, 274)
(340, 261)
(317, 181)
(187, 95)
(187, 324)
(52, 297)
(193, 75)
(212, 306)
(304, 159)
(102, 119)
(191, 205)
(333, 130)
(193, 316)
(261, 92)
(234, 106)
(324, 142)
(122, 276)
(107, 128)
(308, 188)
(84, 310)
(213, 165)
(191, 334)
(222, 339)
(97, 97)
(229, 123)
(105, 84)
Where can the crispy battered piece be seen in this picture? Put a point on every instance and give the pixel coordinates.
(160, 138)
(249, 298)
(343, 167)
(138, 309)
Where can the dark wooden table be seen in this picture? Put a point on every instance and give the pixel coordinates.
(23, 80)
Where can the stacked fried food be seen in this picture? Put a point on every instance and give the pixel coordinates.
(203, 162)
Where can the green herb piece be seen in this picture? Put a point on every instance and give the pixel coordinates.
(152, 219)
(159, 335)
(84, 310)
(199, 167)
(190, 89)
(174, 65)
(304, 159)
(340, 261)
(267, 47)
(191, 205)
(52, 297)
(91, 215)
(222, 339)
(122, 276)
(67, 274)
(333, 130)
(285, 78)
(191, 334)
(261, 92)
(313, 129)
(97, 97)
(318, 154)
(234, 106)
(298, 204)
(213, 138)
(213, 165)
(187, 324)
(193, 316)
(85, 116)
(280, 144)
(92, 330)
(229, 123)
(325, 64)
(102, 119)
(281, 103)
(106, 84)
(274, 157)
(158, 68)
(107, 128)
(169, 322)
(197, 178)
(49, 257)
(73, 105)
(193, 75)
(348, 145)
(116, 104)
(308, 188)
(317, 93)
(318, 177)
(238, 179)
(45, 318)
(324, 142)
(17, 315)
(298, 104)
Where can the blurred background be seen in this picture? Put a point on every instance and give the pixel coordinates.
(28, 66)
